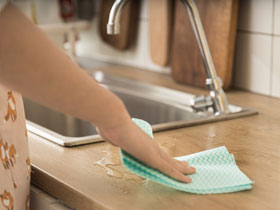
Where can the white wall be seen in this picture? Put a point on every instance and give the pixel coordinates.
(257, 60)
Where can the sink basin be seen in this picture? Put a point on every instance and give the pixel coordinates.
(163, 108)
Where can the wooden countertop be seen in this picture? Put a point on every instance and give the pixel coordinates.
(91, 177)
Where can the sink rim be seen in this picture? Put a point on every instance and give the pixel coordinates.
(68, 141)
(161, 94)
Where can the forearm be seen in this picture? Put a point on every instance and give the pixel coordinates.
(33, 65)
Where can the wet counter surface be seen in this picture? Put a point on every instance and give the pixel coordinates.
(92, 177)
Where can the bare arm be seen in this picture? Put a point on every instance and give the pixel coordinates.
(33, 65)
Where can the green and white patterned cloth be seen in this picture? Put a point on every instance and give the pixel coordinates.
(216, 170)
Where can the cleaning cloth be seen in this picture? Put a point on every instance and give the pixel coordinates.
(216, 170)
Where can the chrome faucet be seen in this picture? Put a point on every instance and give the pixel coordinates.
(217, 98)
(113, 25)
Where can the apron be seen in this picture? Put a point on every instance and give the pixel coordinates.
(15, 165)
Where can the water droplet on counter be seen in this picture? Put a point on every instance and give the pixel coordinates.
(109, 167)
(111, 163)
(212, 135)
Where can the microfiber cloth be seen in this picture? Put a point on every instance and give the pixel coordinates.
(216, 170)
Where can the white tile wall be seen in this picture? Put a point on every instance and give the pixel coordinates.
(256, 15)
(258, 49)
(275, 91)
(253, 62)
(277, 17)
(276, 67)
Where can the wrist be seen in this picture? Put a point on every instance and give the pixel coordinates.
(118, 134)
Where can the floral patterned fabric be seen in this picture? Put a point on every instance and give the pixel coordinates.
(15, 168)
(15, 165)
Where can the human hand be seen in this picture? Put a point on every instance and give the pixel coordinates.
(136, 142)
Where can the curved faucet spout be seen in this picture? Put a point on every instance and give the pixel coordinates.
(213, 82)
(200, 37)
(113, 25)
(217, 98)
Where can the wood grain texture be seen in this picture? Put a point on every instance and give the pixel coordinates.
(128, 24)
(71, 174)
(160, 26)
(219, 19)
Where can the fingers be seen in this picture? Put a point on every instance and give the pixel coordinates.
(174, 168)
(172, 172)
(182, 166)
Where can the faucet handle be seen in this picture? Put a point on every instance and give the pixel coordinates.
(201, 103)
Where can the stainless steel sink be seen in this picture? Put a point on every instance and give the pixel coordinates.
(163, 108)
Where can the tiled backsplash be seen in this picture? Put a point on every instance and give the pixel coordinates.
(257, 58)
(257, 65)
